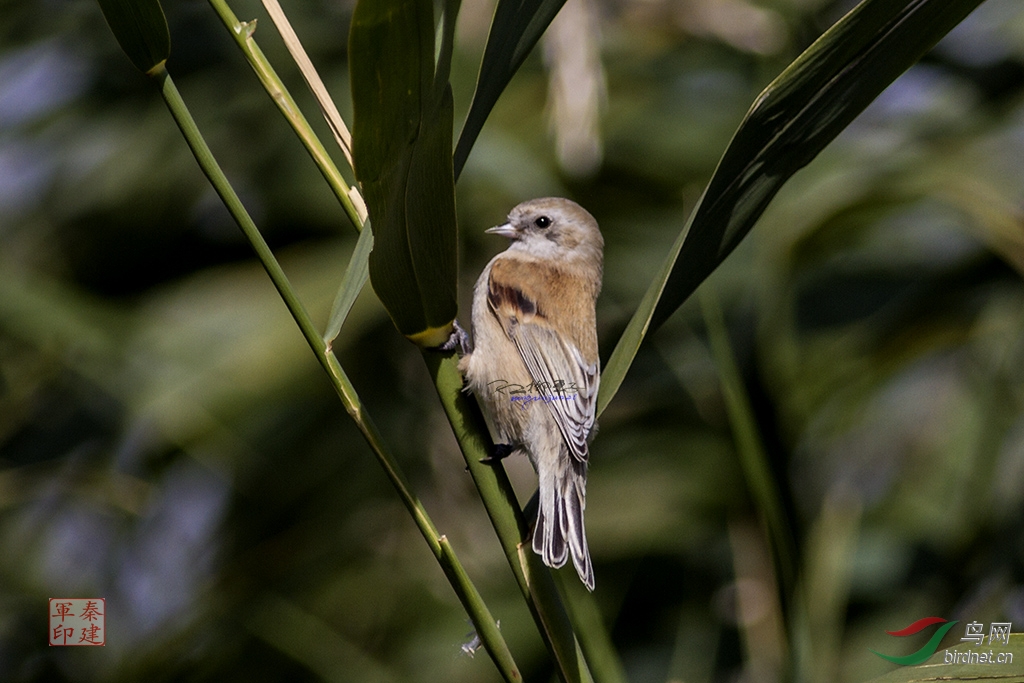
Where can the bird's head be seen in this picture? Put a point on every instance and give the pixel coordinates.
(552, 227)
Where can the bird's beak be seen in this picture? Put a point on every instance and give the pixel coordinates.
(505, 230)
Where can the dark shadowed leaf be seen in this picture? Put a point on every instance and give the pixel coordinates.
(141, 30)
(401, 143)
(430, 207)
(795, 117)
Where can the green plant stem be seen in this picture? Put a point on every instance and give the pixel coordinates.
(533, 577)
(242, 32)
(485, 624)
(594, 639)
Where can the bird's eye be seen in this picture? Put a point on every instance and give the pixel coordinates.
(542, 222)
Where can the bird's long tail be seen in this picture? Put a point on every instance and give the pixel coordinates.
(560, 530)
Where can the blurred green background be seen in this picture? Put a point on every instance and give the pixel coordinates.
(167, 441)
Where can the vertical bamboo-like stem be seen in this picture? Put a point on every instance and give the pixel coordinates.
(534, 579)
(485, 624)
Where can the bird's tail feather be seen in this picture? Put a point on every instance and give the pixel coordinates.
(560, 530)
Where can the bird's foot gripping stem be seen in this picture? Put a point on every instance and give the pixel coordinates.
(457, 341)
(500, 452)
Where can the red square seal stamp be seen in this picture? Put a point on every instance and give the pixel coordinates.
(77, 621)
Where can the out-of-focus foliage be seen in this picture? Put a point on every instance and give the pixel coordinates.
(166, 441)
(800, 112)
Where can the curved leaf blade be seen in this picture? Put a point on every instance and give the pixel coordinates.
(793, 119)
(515, 30)
(797, 115)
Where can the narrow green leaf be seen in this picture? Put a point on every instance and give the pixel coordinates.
(593, 638)
(802, 111)
(141, 30)
(444, 54)
(795, 117)
(516, 28)
(402, 140)
(352, 283)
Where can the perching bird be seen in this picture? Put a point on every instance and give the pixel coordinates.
(535, 368)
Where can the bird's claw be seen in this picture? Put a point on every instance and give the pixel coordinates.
(500, 452)
(457, 341)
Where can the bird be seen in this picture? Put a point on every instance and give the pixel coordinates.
(534, 365)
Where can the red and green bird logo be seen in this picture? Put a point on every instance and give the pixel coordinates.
(928, 649)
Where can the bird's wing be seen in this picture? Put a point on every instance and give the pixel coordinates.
(556, 365)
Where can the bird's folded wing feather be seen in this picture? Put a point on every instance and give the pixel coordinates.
(554, 362)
